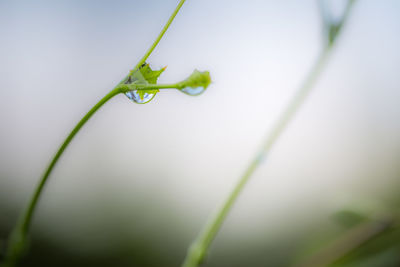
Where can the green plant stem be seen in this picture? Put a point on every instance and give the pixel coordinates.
(18, 238)
(129, 87)
(150, 50)
(200, 246)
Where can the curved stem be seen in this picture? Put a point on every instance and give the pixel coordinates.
(200, 246)
(17, 239)
(28, 214)
(18, 236)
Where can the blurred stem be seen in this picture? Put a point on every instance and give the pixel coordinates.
(18, 238)
(200, 246)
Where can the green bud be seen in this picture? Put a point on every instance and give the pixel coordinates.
(197, 82)
(198, 79)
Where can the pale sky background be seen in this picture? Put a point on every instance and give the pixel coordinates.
(179, 156)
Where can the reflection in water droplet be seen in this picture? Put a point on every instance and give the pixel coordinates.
(134, 96)
(193, 91)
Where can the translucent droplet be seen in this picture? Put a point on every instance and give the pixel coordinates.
(193, 91)
(134, 96)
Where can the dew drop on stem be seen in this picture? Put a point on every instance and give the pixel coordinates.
(135, 96)
(193, 91)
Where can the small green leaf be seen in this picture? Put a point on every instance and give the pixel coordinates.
(150, 75)
(198, 79)
(145, 75)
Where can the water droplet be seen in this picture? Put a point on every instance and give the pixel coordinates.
(193, 91)
(134, 96)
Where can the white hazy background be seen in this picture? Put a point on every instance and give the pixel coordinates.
(167, 164)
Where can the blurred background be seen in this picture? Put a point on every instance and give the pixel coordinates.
(139, 181)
